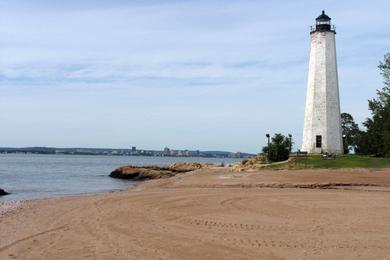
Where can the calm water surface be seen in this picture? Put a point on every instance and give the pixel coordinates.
(29, 176)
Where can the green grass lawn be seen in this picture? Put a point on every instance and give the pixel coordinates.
(344, 161)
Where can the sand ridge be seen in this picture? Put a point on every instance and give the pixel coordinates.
(213, 214)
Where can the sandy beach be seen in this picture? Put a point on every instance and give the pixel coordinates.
(213, 214)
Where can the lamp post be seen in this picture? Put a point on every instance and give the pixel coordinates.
(267, 135)
(345, 145)
(290, 137)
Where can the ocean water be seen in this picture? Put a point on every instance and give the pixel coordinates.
(30, 176)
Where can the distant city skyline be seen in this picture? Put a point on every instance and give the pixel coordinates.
(133, 151)
(207, 75)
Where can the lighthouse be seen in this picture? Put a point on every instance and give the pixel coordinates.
(322, 123)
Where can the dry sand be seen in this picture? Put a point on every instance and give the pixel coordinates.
(213, 214)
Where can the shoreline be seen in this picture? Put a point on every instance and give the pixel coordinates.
(129, 174)
(211, 213)
(7, 206)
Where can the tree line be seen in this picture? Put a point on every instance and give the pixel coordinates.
(374, 138)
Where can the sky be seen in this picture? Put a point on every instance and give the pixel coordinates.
(207, 75)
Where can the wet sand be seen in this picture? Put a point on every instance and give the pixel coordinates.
(213, 214)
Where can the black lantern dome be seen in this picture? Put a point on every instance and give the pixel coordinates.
(323, 17)
(323, 24)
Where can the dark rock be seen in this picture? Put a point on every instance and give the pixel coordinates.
(3, 192)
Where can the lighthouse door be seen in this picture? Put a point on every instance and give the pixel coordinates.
(318, 141)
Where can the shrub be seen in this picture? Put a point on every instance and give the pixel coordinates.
(279, 148)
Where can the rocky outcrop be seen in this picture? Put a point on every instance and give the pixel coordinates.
(138, 173)
(3, 192)
(187, 167)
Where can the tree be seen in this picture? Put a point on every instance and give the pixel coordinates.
(279, 148)
(376, 140)
(385, 70)
(350, 132)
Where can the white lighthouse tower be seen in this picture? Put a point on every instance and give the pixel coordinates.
(322, 126)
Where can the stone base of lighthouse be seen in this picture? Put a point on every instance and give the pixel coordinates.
(322, 124)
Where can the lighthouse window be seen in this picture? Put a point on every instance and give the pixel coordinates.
(318, 141)
(323, 22)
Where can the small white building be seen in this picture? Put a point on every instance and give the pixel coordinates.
(322, 124)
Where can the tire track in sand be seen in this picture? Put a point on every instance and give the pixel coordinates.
(31, 237)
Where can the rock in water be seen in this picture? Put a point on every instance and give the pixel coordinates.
(3, 192)
(138, 173)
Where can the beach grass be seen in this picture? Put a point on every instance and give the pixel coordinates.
(343, 161)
